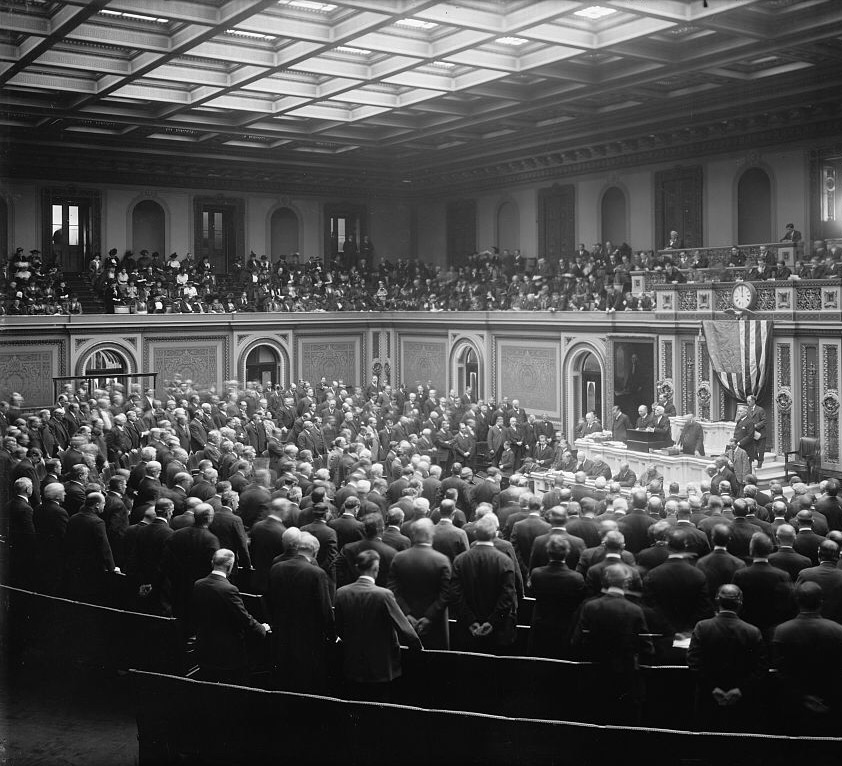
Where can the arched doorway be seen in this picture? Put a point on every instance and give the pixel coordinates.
(467, 371)
(586, 387)
(263, 365)
(108, 364)
(148, 227)
(508, 226)
(614, 216)
(283, 232)
(754, 207)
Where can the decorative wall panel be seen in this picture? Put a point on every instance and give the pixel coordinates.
(423, 360)
(830, 402)
(337, 359)
(784, 399)
(202, 359)
(528, 371)
(688, 377)
(28, 369)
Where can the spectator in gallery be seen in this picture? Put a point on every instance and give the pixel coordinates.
(791, 234)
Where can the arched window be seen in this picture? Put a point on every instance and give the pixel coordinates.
(263, 365)
(508, 226)
(468, 373)
(148, 227)
(614, 227)
(754, 207)
(284, 232)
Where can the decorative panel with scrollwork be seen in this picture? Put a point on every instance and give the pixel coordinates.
(808, 299)
(722, 299)
(422, 361)
(688, 300)
(528, 371)
(334, 359)
(765, 299)
(666, 359)
(830, 401)
(28, 371)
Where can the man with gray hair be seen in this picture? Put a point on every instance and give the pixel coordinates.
(483, 594)
(222, 623)
(420, 579)
(87, 553)
(300, 611)
(21, 532)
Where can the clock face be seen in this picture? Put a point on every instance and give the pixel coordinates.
(742, 296)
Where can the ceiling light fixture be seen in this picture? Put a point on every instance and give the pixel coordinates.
(594, 12)
(513, 41)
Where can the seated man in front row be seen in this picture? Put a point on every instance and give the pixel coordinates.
(599, 468)
(625, 477)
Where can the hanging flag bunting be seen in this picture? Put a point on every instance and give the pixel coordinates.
(740, 354)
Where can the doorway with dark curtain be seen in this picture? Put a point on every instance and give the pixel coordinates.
(634, 375)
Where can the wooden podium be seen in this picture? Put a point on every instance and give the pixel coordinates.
(644, 441)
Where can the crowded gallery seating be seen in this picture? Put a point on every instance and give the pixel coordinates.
(465, 374)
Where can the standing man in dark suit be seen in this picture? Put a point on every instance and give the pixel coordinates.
(222, 622)
(328, 547)
(187, 558)
(612, 633)
(50, 527)
(20, 526)
(420, 579)
(267, 542)
(829, 578)
(767, 591)
(744, 433)
(728, 657)
(786, 557)
(719, 565)
(807, 542)
(661, 425)
(87, 554)
(804, 651)
(483, 594)
(558, 591)
(676, 588)
(620, 424)
(145, 560)
(635, 524)
(692, 438)
(447, 537)
(371, 626)
(372, 540)
(392, 534)
(757, 415)
(301, 614)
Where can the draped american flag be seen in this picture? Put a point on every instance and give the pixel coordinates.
(740, 354)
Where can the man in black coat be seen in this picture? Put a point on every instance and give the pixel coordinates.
(786, 557)
(635, 524)
(728, 657)
(557, 518)
(830, 505)
(372, 541)
(807, 542)
(50, 527)
(187, 558)
(87, 554)
(483, 594)
(267, 542)
(328, 547)
(767, 591)
(558, 591)
(20, 527)
(828, 577)
(612, 632)
(420, 579)
(116, 518)
(676, 589)
(348, 527)
(222, 623)
(719, 565)
(299, 603)
(145, 560)
(804, 651)
(229, 530)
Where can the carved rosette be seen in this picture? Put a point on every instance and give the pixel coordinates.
(704, 393)
(665, 386)
(830, 403)
(784, 400)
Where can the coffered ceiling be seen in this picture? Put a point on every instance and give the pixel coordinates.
(413, 91)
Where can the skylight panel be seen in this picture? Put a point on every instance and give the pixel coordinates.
(416, 24)
(595, 12)
(515, 42)
(442, 64)
(353, 51)
(134, 16)
(309, 5)
(249, 35)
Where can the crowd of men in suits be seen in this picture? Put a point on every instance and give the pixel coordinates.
(371, 514)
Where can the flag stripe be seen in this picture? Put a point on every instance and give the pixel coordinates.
(740, 354)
